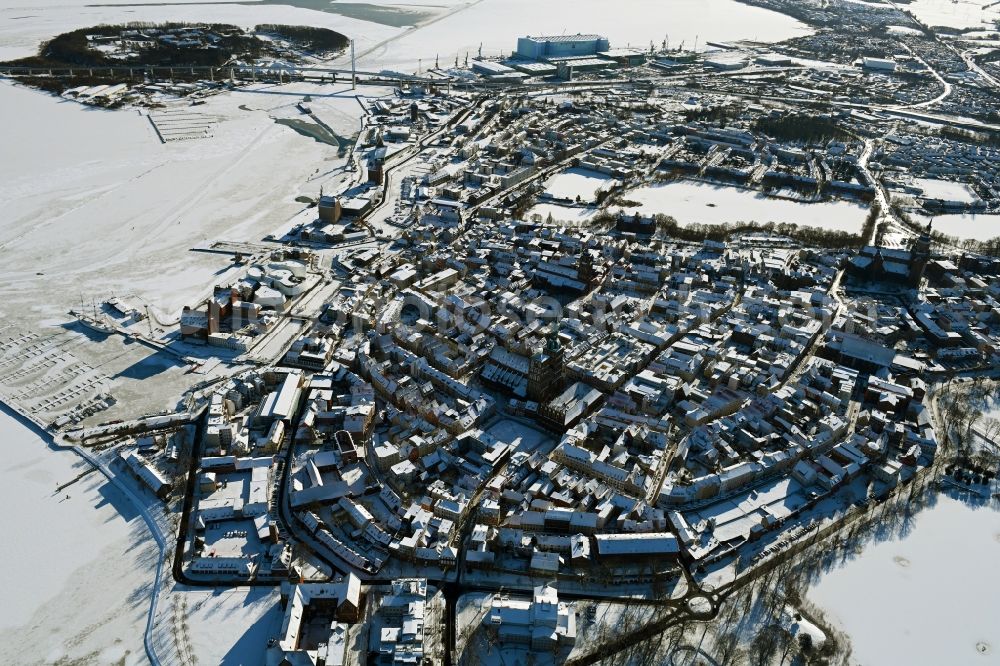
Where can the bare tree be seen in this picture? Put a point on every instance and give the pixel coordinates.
(764, 646)
(726, 647)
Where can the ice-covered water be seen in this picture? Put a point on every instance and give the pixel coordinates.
(582, 183)
(954, 13)
(696, 202)
(71, 558)
(397, 34)
(966, 225)
(927, 598)
(495, 25)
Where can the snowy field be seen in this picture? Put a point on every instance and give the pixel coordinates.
(694, 202)
(224, 626)
(966, 225)
(928, 598)
(77, 564)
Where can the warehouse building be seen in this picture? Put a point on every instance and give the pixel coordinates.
(495, 71)
(490, 68)
(625, 57)
(879, 64)
(561, 46)
(566, 68)
(534, 68)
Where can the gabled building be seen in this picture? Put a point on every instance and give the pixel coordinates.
(543, 622)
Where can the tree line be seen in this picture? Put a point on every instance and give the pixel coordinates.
(313, 39)
(668, 226)
(969, 136)
(804, 128)
(74, 48)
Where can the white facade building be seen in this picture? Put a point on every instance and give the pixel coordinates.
(543, 622)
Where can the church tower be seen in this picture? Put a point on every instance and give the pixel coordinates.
(585, 272)
(920, 254)
(545, 370)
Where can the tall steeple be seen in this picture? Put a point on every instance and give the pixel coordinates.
(585, 269)
(920, 254)
(552, 344)
(545, 369)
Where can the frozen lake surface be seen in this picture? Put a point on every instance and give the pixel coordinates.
(396, 34)
(704, 203)
(564, 214)
(577, 182)
(496, 25)
(946, 190)
(954, 13)
(966, 225)
(130, 208)
(77, 565)
(925, 599)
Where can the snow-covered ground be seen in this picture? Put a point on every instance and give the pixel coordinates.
(96, 206)
(695, 202)
(100, 183)
(222, 626)
(926, 598)
(524, 437)
(76, 566)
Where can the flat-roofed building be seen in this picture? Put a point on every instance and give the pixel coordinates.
(282, 403)
(628, 546)
(879, 64)
(539, 48)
